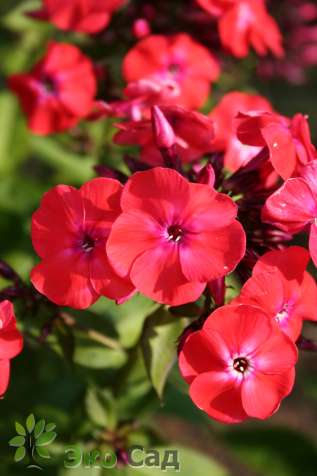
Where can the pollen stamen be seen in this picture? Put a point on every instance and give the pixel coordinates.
(241, 364)
(175, 233)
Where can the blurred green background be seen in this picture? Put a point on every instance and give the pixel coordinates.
(65, 379)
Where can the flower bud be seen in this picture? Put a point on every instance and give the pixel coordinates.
(162, 130)
(141, 28)
(207, 175)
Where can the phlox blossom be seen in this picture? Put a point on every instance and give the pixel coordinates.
(239, 365)
(174, 236)
(69, 233)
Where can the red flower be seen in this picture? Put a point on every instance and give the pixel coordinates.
(282, 287)
(178, 58)
(284, 138)
(86, 16)
(193, 132)
(69, 233)
(244, 24)
(223, 115)
(58, 92)
(174, 236)
(11, 342)
(293, 207)
(238, 365)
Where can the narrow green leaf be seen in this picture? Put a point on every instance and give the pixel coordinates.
(50, 427)
(20, 429)
(46, 438)
(39, 428)
(19, 454)
(159, 342)
(17, 441)
(30, 423)
(42, 452)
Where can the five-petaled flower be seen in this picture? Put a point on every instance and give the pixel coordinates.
(174, 236)
(281, 286)
(11, 342)
(293, 207)
(239, 365)
(178, 59)
(58, 92)
(69, 233)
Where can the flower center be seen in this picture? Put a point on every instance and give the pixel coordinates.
(175, 233)
(173, 68)
(48, 84)
(240, 364)
(88, 244)
(283, 314)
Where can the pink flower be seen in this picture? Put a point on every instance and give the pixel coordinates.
(178, 58)
(284, 138)
(69, 233)
(293, 207)
(191, 132)
(58, 92)
(174, 236)
(281, 286)
(11, 342)
(223, 115)
(239, 365)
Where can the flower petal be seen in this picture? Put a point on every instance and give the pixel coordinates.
(60, 215)
(262, 394)
(209, 255)
(219, 396)
(157, 274)
(64, 279)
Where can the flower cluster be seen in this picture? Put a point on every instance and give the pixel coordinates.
(205, 197)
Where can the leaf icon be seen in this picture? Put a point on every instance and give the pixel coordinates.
(19, 454)
(20, 429)
(30, 423)
(42, 452)
(17, 441)
(46, 438)
(39, 428)
(50, 427)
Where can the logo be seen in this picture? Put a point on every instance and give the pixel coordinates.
(31, 441)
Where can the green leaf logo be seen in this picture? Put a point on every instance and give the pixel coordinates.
(32, 441)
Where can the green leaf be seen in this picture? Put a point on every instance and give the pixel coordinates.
(42, 452)
(19, 454)
(100, 408)
(20, 429)
(39, 428)
(46, 438)
(89, 354)
(159, 342)
(30, 423)
(50, 427)
(17, 441)
(135, 393)
(130, 317)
